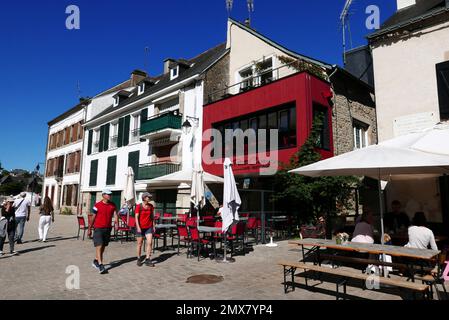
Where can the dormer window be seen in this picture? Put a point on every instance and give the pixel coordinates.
(174, 72)
(141, 89)
(116, 101)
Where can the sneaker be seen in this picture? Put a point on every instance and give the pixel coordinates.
(1, 253)
(14, 253)
(19, 242)
(96, 265)
(149, 263)
(102, 269)
(140, 262)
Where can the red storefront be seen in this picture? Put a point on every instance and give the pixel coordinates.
(288, 104)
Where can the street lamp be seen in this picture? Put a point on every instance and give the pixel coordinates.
(187, 125)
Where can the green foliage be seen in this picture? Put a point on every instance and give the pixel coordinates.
(12, 188)
(302, 66)
(66, 211)
(309, 197)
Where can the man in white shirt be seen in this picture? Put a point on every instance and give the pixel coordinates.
(23, 210)
(419, 236)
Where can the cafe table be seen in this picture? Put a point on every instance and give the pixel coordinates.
(418, 256)
(165, 227)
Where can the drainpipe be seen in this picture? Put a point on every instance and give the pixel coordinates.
(81, 201)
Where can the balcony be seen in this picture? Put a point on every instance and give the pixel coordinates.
(156, 170)
(135, 136)
(162, 125)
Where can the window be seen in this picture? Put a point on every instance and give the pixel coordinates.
(141, 89)
(116, 101)
(321, 114)
(443, 89)
(265, 71)
(174, 73)
(282, 118)
(133, 162)
(111, 170)
(114, 135)
(93, 173)
(246, 79)
(360, 135)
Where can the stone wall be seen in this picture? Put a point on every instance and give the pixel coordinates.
(216, 80)
(352, 102)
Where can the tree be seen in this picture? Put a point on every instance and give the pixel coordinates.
(12, 188)
(309, 197)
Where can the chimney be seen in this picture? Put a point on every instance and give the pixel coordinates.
(402, 4)
(248, 23)
(137, 76)
(167, 63)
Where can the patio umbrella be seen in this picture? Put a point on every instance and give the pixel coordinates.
(130, 190)
(231, 200)
(413, 154)
(184, 176)
(197, 194)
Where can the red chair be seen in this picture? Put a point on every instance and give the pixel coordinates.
(81, 226)
(237, 235)
(253, 225)
(182, 218)
(244, 215)
(197, 240)
(191, 222)
(123, 227)
(183, 236)
(209, 221)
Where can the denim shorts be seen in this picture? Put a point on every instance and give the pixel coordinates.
(144, 232)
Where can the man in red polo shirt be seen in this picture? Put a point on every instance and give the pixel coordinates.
(103, 213)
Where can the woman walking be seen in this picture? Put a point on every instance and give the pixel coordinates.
(47, 217)
(9, 217)
(145, 228)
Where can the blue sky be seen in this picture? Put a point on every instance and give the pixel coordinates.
(41, 61)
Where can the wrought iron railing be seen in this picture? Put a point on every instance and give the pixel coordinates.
(156, 170)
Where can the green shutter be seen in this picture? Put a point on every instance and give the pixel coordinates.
(133, 162)
(93, 173)
(106, 137)
(100, 147)
(143, 116)
(112, 166)
(121, 123)
(89, 142)
(126, 130)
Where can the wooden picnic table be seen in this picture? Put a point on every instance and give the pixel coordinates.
(395, 251)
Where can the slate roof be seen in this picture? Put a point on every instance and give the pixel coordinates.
(422, 10)
(199, 64)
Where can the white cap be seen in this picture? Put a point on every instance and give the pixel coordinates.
(106, 191)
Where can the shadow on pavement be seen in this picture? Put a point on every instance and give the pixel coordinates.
(51, 239)
(118, 263)
(20, 252)
(163, 257)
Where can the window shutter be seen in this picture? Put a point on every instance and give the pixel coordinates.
(89, 142)
(126, 130)
(112, 166)
(143, 116)
(101, 146)
(133, 162)
(93, 173)
(121, 124)
(443, 89)
(75, 132)
(106, 137)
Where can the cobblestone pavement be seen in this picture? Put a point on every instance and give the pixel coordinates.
(39, 272)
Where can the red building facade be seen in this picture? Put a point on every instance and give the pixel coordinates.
(288, 104)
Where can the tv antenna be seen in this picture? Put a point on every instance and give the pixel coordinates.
(250, 9)
(78, 88)
(344, 19)
(146, 59)
(229, 4)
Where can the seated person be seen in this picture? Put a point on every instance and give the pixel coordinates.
(396, 219)
(364, 232)
(419, 236)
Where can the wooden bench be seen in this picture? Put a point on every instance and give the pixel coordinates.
(402, 267)
(290, 269)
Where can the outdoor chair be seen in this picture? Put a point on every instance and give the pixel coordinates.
(182, 218)
(82, 226)
(183, 236)
(237, 236)
(209, 221)
(197, 241)
(253, 226)
(156, 236)
(124, 228)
